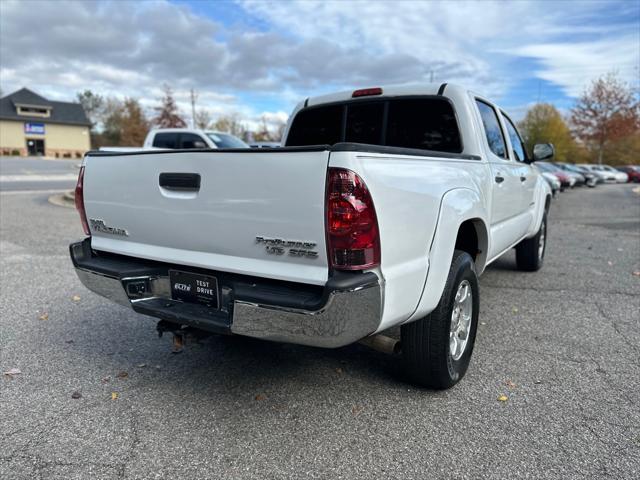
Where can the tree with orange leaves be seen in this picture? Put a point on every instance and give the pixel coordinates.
(606, 114)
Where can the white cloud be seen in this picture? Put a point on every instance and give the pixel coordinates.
(304, 48)
(475, 43)
(573, 66)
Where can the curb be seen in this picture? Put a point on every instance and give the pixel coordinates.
(66, 199)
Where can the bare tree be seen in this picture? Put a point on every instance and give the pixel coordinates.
(607, 111)
(203, 119)
(230, 124)
(263, 134)
(168, 115)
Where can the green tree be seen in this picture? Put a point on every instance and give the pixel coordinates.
(607, 113)
(544, 124)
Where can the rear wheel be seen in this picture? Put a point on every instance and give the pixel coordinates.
(436, 350)
(530, 251)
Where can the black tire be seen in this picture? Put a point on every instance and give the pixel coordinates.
(529, 258)
(426, 354)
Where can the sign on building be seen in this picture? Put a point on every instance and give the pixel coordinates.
(37, 128)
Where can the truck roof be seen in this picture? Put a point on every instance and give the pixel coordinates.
(390, 91)
(190, 130)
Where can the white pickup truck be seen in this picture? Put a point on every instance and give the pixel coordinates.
(382, 209)
(182, 139)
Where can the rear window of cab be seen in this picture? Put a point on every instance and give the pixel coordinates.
(425, 123)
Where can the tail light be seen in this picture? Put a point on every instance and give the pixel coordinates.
(366, 92)
(353, 238)
(79, 199)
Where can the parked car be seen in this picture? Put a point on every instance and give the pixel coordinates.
(553, 182)
(599, 177)
(579, 178)
(583, 178)
(621, 177)
(632, 172)
(610, 174)
(381, 210)
(182, 139)
(188, 138)
(566, 180)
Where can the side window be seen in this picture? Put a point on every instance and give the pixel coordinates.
(426, 123)
(492, 129)
(166, 140)
(516, 142)
(191, 140)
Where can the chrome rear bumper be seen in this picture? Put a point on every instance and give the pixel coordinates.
(347, 309)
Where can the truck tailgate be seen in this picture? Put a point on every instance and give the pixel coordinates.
(255, 212)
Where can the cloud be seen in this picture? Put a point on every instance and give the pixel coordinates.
(285, 51)
(479, 44)
(573, 66)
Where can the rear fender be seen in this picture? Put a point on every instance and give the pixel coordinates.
(458, 206)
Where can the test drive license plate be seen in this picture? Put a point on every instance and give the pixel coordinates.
(194, 288)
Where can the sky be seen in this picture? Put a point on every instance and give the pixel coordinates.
(260, 58)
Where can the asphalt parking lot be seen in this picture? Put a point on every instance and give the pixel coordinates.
(562, 345)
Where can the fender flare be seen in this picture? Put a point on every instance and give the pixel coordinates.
(542, 197)
(457, 206)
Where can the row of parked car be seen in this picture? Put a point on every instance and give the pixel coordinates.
(561, 175)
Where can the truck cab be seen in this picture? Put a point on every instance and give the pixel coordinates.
(189, 138)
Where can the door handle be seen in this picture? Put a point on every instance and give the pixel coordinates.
(180, 181)
(523, 179)
(499, 179)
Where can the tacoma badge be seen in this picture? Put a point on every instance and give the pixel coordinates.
(280, 246)
(99, 226)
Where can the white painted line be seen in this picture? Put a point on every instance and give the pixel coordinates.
(30, 192)
(62, 177)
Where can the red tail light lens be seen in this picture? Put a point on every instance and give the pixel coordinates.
(353, 239)
(79, 199)
(366, 92)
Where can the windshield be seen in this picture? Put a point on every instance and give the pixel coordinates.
(226, 140)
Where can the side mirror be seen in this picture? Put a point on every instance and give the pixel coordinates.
(199, 144)
(543, 151)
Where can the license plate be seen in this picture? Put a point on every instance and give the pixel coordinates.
(194, 288)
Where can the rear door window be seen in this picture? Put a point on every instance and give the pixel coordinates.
(166, 140)
(492, 129)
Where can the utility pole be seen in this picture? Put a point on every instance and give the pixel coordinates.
(194, 97)
(431, 81)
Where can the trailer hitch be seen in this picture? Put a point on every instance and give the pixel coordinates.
(181, 333)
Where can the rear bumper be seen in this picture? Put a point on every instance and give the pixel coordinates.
(347, 309)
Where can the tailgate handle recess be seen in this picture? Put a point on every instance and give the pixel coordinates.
(180, 181)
